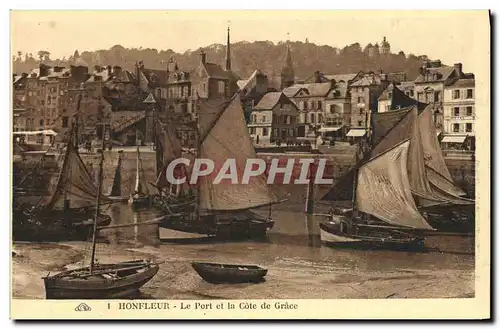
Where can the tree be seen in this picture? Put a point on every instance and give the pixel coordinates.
(43, 55)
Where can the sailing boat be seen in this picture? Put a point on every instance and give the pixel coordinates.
(171, 197)
(140, 195)
(100, 281)
(56, 219)
(115, 190)
(387, 187)
(224, 210)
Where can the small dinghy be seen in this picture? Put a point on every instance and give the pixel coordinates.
(228, 273)
(102, 282)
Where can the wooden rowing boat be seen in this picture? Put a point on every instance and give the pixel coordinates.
(229, 273)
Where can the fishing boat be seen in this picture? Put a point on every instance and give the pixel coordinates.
(100, 281)
(388, 185)
(140, 196)
(115, 192)
(225, 210)
(229, 273)
(171, 197)
(68, 213)
(443, 204)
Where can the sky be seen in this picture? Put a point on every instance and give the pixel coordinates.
(451, 36)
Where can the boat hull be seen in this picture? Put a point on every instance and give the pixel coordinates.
(34, 231)
(140, 202)
(98, 288)
(331, 236)
(226, 273)
(227, 228)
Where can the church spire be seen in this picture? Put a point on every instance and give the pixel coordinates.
(287, 73)
(228, 51)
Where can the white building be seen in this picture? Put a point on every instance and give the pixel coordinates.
(459, 111)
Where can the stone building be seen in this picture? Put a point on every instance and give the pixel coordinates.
(459, 113)
(364, 100)
(273, 119)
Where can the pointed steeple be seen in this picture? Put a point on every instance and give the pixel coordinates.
(287, 73)
(228, 51)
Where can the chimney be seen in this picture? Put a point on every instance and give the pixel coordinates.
(333, 83)
(108, 68)
(317, 77)
(203, 57)
(117, 70)
(44, 70)
(458, 68)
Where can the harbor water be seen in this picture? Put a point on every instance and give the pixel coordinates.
(299, 266)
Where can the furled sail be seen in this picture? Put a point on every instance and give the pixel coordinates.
(140, 186)
(116, 185)
(383, 189)
(228, 138)
(73, 182)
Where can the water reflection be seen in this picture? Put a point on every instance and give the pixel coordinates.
(136, 235)
(294, 241)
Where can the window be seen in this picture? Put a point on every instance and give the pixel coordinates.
(288, 119)
(204, 87)
(387, 108)
(456, 94)
(437, 96)
(360, 111)
(360, 123)
(411, 93)
(254, 118)
(263, 118)
(456, 111)
(313, 118)
(305, 105)
(252, 131)
(221, 86)
(41, 122)
(332, 108)
(265, 131)
(469, 93)
(320, 105)
(359, 100)
(469, 111)
(320, 118)
(42, 102)
(420, 97)
(468, 127)
(389, 94)
(456, 127)
(65, 122)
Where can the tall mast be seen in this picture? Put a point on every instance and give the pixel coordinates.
(98, 200)
(137, 171)
(198, 150)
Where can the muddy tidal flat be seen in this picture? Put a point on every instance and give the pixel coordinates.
(298, 265)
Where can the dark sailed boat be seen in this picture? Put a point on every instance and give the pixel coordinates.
(115, 191)
(140, 196)
(388, 185)
(67, 215)
(100, 281)
(229, 273)
(224, 210)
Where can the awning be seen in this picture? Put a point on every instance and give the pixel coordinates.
(356, 133)
(325, 129)
(48, 132)
(453, 139)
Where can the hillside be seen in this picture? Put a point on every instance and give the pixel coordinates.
(246, 57)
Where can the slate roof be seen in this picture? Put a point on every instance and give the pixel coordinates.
(120, 120)
(313, 89)
(443, 72)
(464, 83)
(216, 72)
(269, 101)
(158, 77)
